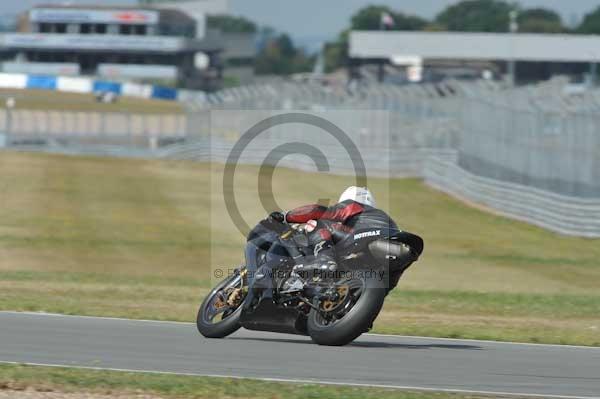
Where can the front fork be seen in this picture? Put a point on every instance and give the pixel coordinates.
(235, 296)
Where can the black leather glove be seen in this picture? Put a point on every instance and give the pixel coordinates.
(277, 216)
(276, 222)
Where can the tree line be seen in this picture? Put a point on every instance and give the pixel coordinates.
(277, 53)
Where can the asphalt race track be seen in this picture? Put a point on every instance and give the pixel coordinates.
(390, 361)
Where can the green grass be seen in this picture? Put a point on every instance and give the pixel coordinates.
(46, 100)
(131, 238)
(47, 379)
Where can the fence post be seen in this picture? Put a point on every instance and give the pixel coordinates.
(10, 105)
(129, 129)
(8, 126)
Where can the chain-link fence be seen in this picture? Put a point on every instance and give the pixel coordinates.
(397, 131)
(540, 138)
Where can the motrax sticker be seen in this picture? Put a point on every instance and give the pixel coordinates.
(373, 233)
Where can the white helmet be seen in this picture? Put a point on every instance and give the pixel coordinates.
(361, 195)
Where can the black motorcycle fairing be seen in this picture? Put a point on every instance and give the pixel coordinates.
(397, 251)
(386, 249)
(415, 242)
(265, 250)
(383, 248)
(263, 245)
(258, 242)
(268, 316)
(261, 237)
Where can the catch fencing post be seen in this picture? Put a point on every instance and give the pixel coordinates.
(10, 105)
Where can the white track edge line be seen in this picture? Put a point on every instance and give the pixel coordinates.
(367, 334)
(304, 381)
(49, 314)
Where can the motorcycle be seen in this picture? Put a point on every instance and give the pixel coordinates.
(332, 307)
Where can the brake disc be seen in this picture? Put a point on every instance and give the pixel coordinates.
(329, 305)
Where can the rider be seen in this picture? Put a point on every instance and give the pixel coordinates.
(355, 210)
(325, 227)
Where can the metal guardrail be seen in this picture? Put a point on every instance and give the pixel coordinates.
(407, 162)
(558, 213)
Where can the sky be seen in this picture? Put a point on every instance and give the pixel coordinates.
(323, 19)
(326, 18)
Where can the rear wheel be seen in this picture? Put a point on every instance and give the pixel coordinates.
(220, 311)
(346, 321)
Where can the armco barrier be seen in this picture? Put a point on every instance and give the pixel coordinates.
(13, 81)
(41, 82)
(107, 87)
(558, 213)
(136, 90)
(87, 85)
(74, 85)
(400, 163)
(164, 93)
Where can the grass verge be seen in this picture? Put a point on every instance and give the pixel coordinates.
(46, 100)
(131, 238)
(51, 379)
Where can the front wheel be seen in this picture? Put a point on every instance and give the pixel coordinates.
(348, 320)
(220, 311)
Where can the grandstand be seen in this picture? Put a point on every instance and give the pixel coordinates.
(165, 42)
(146, 43)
